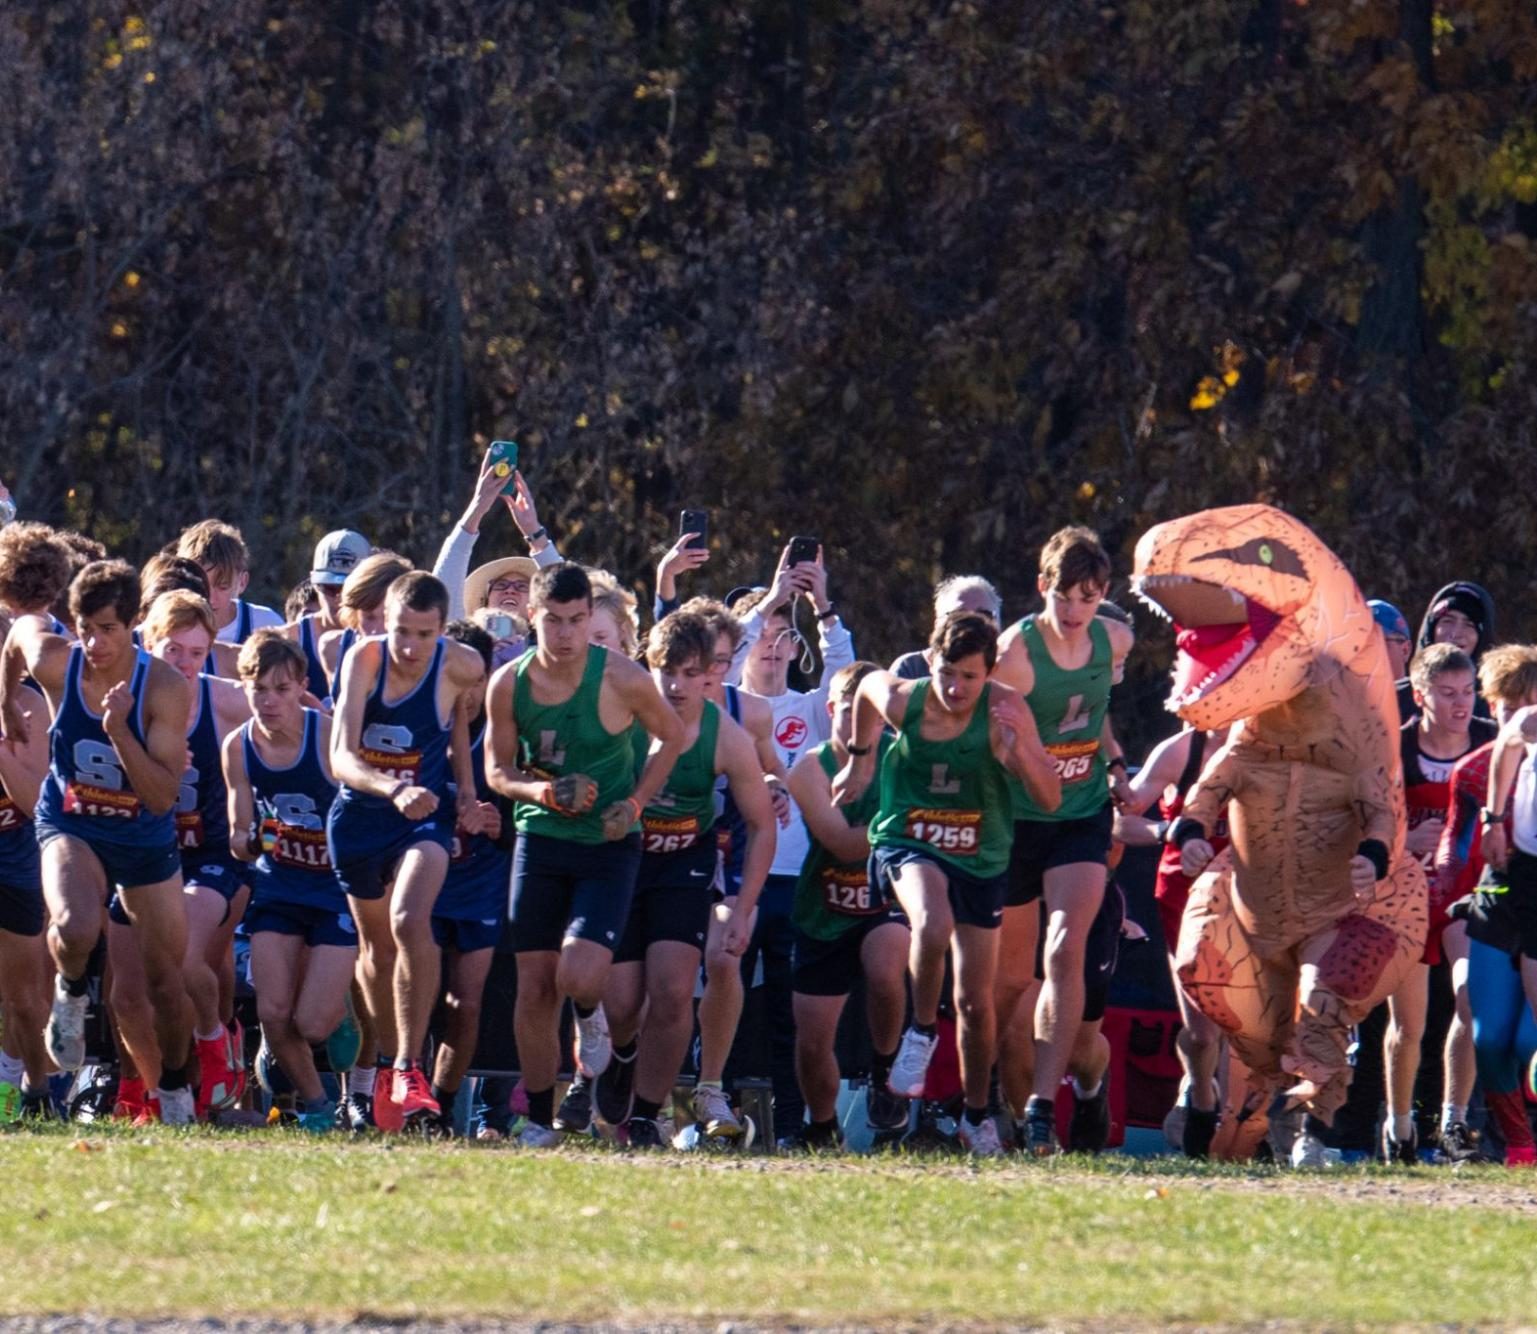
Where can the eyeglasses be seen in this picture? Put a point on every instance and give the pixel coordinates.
(509, 586)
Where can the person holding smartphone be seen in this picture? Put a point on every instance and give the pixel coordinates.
(501, 585)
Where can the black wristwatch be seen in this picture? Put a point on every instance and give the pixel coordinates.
(832, 610)
(1487, 817)
(538, 535)
(1119, 759)
(859, 750)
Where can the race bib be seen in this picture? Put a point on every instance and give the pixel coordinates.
(189, 829)
(846, 891)
(304, 849)
(663, 834)
(100, 802)
(957, 832)
(400, 766)
(1074, 760)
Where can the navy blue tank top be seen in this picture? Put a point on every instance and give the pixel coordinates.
(315, 680)
(406, 739)
(348, 639)
(86, 793)
(291, 805)
(202, 809)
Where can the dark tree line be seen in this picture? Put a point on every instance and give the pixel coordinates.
(925, 279)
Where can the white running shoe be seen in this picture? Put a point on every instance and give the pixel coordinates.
(911, 1068)
(981, 1141)
(593, 1046)
(1308, 1151)
(712, 1110)
(535, 1136)
(176, 1107)
(65, 1035)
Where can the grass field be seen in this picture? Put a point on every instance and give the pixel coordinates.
(165, 1223)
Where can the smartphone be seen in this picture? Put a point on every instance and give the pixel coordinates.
(803, 550)
(698, 523)
(504, 460)
(500, 626)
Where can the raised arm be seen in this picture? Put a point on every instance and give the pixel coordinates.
(453, 562)
(1509, 750)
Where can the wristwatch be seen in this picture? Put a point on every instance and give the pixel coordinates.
(1487, 817)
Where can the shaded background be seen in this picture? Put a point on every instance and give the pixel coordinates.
(924, 279)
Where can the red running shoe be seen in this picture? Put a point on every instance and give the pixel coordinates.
(216, 1082)
(412, 1094)
(387, 1115)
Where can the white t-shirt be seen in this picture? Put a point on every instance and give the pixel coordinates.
(1524, 807)
(249, 618)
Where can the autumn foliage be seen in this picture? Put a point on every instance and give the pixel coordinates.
(924, 279)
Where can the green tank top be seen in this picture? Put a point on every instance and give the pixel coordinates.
(948, 798)
(831, 897)
(683, 812)
(1069, 709)
(569, 738)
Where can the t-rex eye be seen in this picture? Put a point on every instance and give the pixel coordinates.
(1266, 555)
(1273, 554)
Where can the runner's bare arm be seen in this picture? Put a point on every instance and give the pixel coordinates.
(30, 649)
(242, 810)
(24, 764)
(736, 758)
(813, 793)
(153, 769)
(359, 674)
(502, 769)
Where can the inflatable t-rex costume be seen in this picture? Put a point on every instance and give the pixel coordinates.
(1275, 945)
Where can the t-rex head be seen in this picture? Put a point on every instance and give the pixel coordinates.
(1261, 608)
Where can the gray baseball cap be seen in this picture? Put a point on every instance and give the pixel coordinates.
(336, 555)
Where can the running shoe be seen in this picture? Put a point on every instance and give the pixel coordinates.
(1041, 1129)
(646, 1132)
(535, 1136)
(712, 1109)
(10, 1103)
(37, 1107)
(412, 1094)
(593, 1046)
(216, 1081)
(440, 1126)
(980, 1141)
(320, 1120)
(1457, 1144)
(65, 1035)
(1309, 1151)
(1089, 1129)
(386, 1110)
(357, 1113)
(488, 1135)
(344, 1043)
(1520, 1155)
(1406, 1152)
(177, 1107)
(885, 1110)
(910, 1070)
(807, 1138)
(574, 1116)
(616, 1090)
(132, 1100)
(235, 1031)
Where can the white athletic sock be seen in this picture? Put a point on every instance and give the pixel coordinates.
(210, 1037)
(1083, 1094)
(1453, 1112)
(11, 1069)
(361, 1080)
(1403, 1128)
